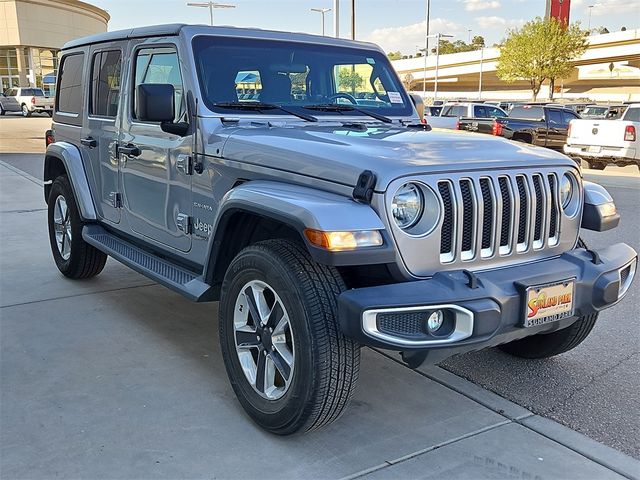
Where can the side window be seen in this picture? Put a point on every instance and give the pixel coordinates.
(568, 116)
(479, 111)
(105, 83)
(633, 115)
(160, 65)
(69, 94)
(555, 117)
(493, 112)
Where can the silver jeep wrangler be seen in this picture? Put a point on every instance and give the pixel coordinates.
(288, 176)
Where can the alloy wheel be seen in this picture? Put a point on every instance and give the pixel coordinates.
(264, 340)
(62, 227)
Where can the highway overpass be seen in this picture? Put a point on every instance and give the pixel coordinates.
(608, 71)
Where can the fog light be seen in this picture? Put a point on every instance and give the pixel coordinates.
(435, 320)
(626, 278)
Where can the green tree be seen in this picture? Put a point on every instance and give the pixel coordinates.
(541, 50)
(350, 80)
(394, 55)
(477, 41)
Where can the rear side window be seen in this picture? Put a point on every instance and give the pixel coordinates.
(555, 117)
(527, 111)
(568, 116)
(69, 93)
(105, 83)
(479, 111)
(633, 115)
(493, 112)
(455, 111)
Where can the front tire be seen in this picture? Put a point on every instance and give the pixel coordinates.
(546, 345)
(288, 362)
(74, 257)
(2, 111)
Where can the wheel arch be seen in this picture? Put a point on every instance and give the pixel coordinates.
(64, 158)
(263, 210)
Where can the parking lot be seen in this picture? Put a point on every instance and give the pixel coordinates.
(117, 377)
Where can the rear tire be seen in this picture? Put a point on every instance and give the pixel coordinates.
(598, 165)
(25, 111)
(323, 363)
(2, 111)
(546, 345)
(74, 257)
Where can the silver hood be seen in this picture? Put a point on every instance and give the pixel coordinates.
(333, 152)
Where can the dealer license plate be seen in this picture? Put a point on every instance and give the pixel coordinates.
(549, 303)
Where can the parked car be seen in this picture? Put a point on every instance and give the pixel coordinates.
(432, 111)
(601, 142)
(319, 227)
(608, 112)
(536, 124)
(25, 100)
(453, 113)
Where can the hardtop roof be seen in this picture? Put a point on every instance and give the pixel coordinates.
(175, 29)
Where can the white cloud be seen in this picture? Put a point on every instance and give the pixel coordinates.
(475, 5)
(498, 22)
(407, 37)
(605, 7)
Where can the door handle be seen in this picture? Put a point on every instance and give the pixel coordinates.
(89, 142)
(129, 150)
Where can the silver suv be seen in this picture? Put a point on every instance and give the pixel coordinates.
(288, 177)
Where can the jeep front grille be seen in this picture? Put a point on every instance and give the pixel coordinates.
(501, 214)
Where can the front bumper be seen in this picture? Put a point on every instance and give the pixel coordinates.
(488, 307)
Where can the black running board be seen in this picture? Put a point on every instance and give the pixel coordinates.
(183, 281)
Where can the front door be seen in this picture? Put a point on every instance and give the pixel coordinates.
(157, 197)
(102, 127)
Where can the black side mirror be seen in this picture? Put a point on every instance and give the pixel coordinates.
(155, 102)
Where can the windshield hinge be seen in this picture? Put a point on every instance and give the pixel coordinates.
(184, 164)
(184, 223)
(363, 191)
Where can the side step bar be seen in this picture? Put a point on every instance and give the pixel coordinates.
(183, 281)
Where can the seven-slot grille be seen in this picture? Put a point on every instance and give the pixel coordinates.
(498, 215)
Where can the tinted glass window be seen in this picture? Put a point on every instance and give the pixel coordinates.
(105, 83)
(479, 111)
(70, 87)
(160, 65)
(493, 112)
(455, 111)
(554, 117)
(527, 111)
(568, 116)
(633, 115)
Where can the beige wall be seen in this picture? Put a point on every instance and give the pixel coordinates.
(48, 23)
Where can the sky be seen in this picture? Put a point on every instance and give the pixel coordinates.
(393, 24)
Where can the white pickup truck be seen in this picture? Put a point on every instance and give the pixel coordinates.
(603, 142)
(451, 113)
(26, 100)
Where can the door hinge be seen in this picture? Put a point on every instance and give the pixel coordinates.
(115, 198)
(184, 223)
(184, 164)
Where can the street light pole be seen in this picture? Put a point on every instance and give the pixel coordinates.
(322, 12)
(336, 18)
(426, 51)
(480, 80)
(211, 6)
(353, 19)
(589, 27)
(469, 31)
(438, 36)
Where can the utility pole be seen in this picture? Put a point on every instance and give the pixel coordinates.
(336, 18)
(211, 6)
(322, 12)
(426, 51)
(353, 19)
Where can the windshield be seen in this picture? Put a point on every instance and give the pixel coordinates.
(296, 76)
(594, 111)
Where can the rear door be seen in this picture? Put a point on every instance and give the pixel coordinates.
(157, 196)
(556, 128)
(101, 128)
(9, 101)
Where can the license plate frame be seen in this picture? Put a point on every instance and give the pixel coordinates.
(551, 302)
(594, 149)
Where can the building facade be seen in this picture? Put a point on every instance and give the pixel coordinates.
(32, 33)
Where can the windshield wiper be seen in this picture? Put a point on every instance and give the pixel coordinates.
(334, 107)
(264, 106)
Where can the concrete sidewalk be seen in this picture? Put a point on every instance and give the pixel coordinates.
(117, 377)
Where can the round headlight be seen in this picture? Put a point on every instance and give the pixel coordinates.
(566, 190)
(407, 205)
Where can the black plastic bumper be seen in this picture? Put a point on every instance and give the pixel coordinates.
(495, 298)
